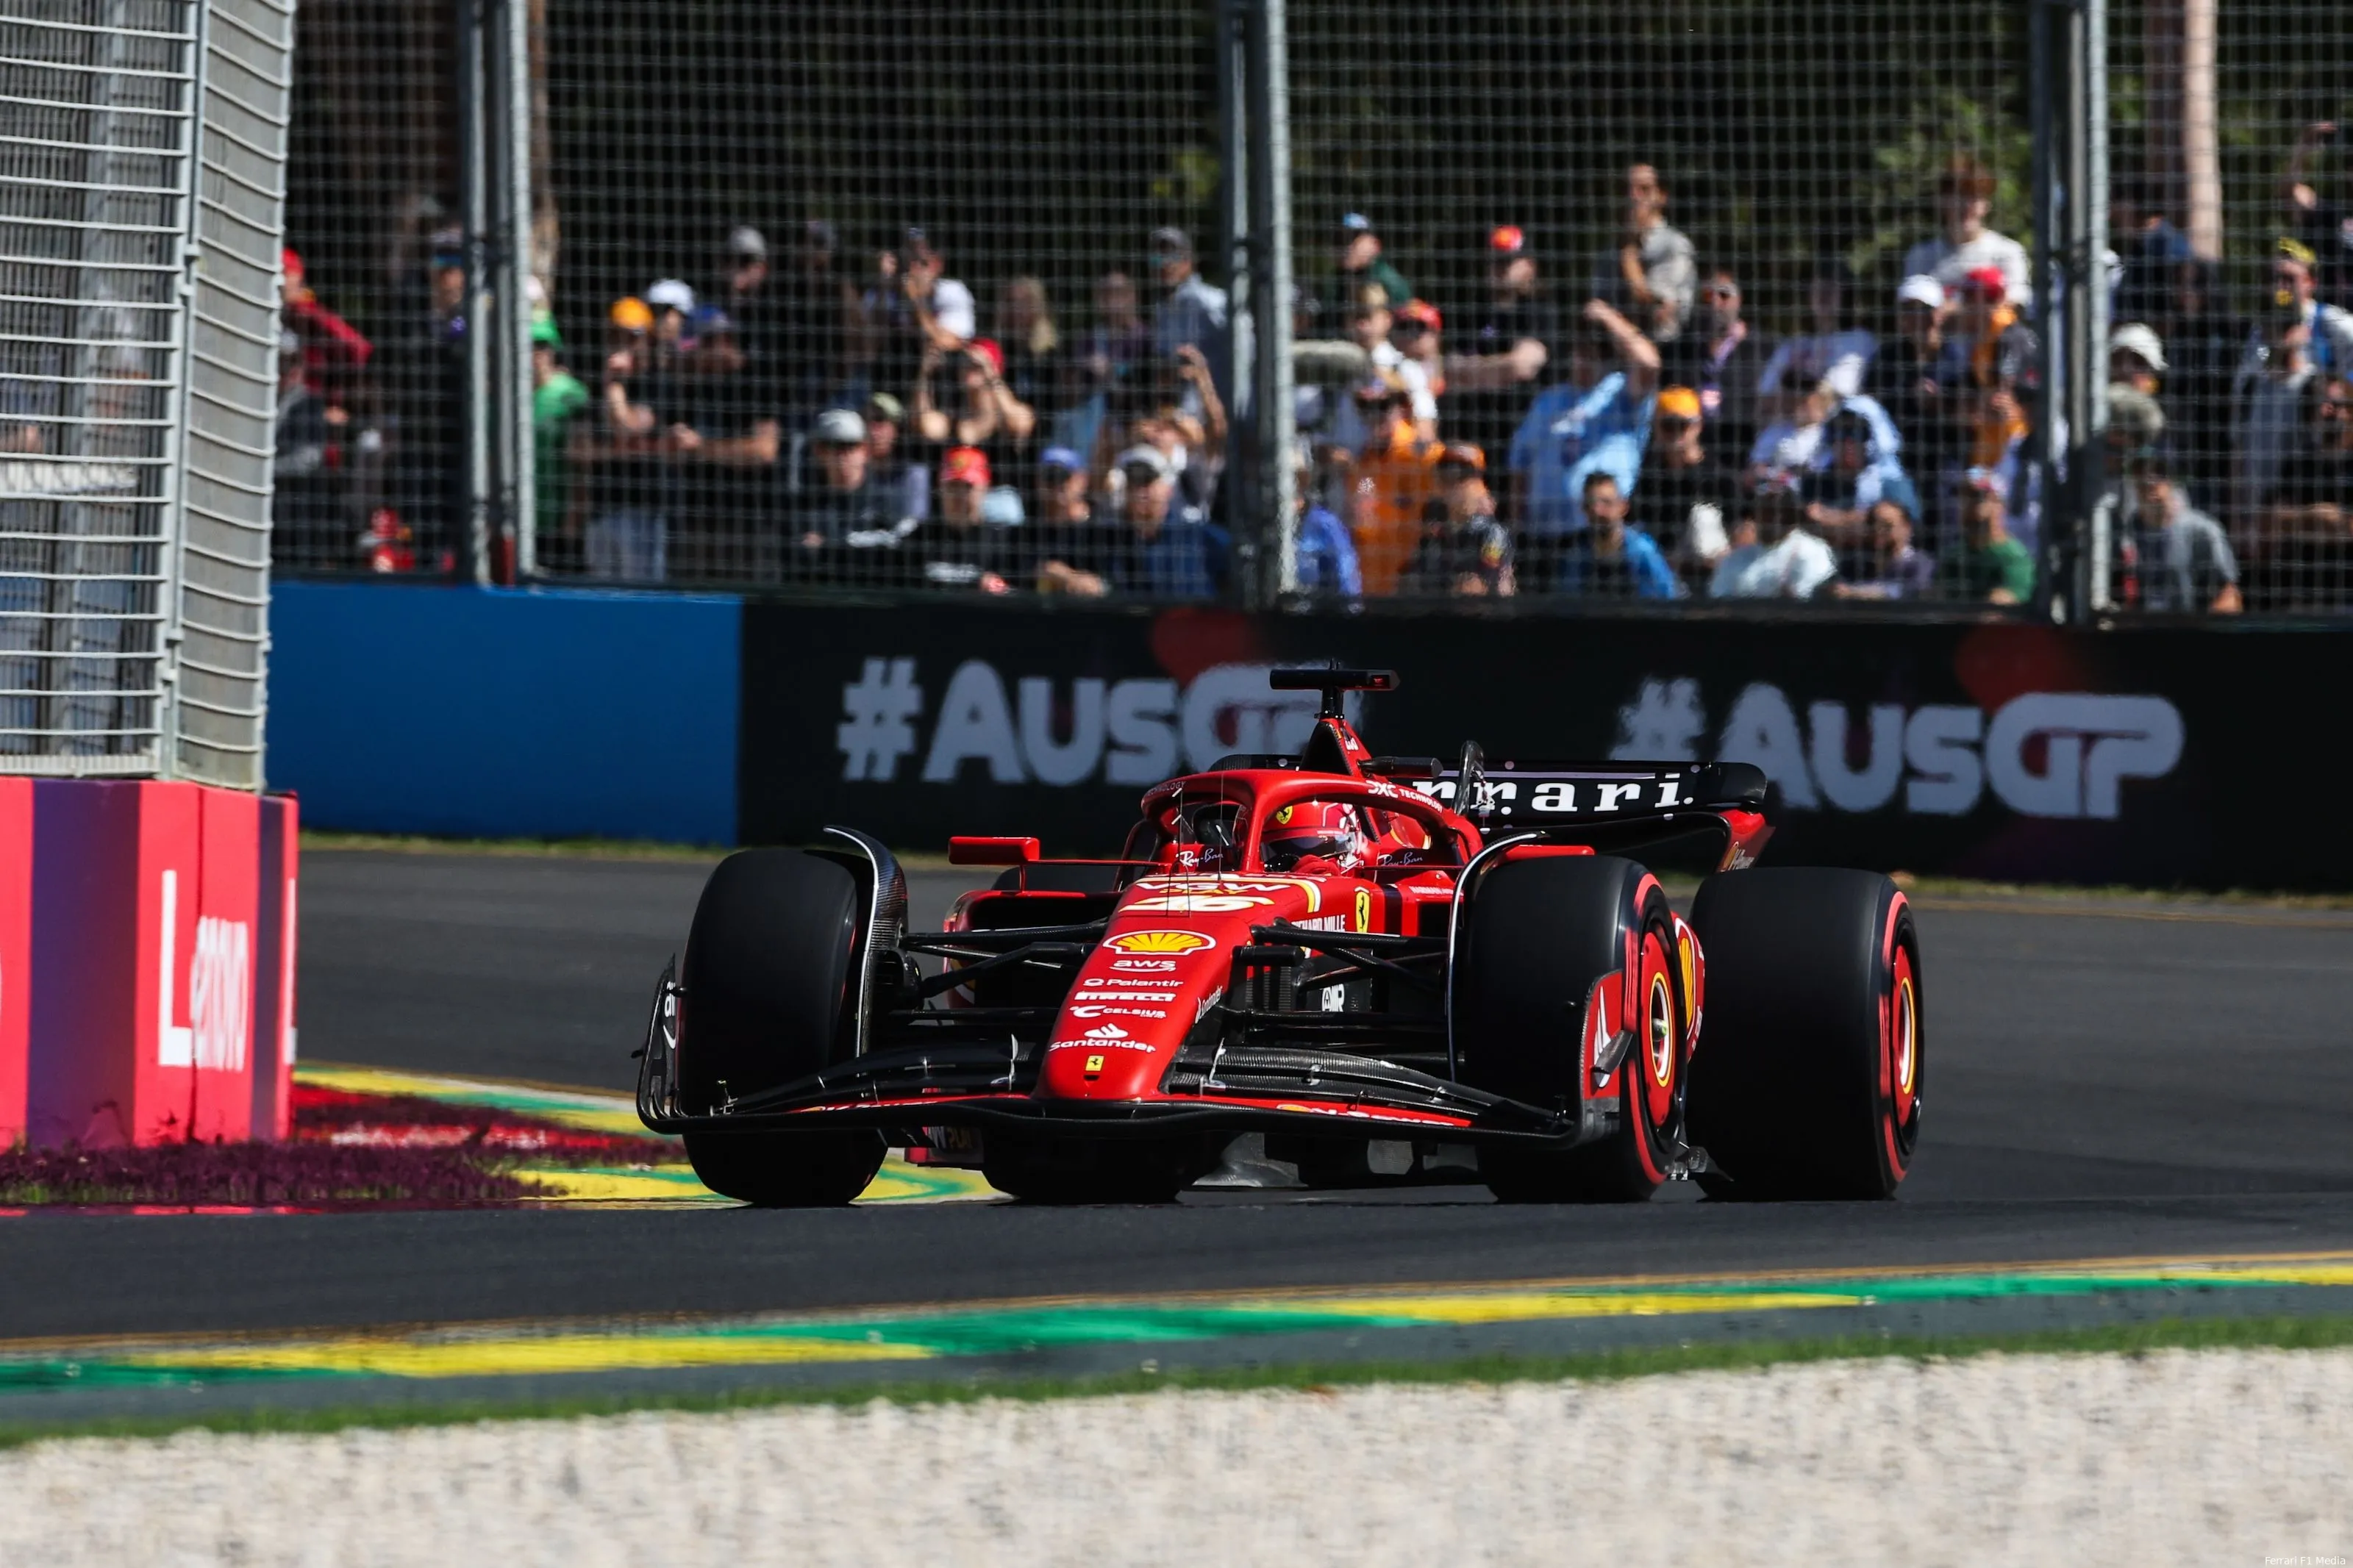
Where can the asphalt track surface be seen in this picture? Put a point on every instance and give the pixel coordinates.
(2104, 1079)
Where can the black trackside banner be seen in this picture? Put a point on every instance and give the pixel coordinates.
(2161, 755)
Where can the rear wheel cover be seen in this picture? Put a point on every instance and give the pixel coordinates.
(1903, 1056)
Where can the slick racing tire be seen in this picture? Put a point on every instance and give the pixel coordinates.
(1091, 1170)
(768, 997)
(1808, 1078)
(1537, 935)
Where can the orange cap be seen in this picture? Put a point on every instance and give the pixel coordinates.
(632, 314)
(1680, 402)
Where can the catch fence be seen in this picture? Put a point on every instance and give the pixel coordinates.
(1730, 301)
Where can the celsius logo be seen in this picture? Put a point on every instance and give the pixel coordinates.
(2046, 754)
(220, 991)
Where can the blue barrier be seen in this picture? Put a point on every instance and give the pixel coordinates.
(490, 712)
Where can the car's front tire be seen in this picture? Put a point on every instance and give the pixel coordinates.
(769, 994)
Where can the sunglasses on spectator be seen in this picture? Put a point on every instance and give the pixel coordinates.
(1675, 421)
(1721, 291)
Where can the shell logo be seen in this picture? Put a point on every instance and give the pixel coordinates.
(1163, 942)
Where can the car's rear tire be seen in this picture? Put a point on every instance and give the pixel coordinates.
(1537, 935)
(1807, 1081)
(769, 997)
(1092, 1171)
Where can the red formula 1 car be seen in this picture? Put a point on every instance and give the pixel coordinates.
(1386, 968)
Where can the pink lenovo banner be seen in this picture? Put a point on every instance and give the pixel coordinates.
(16, 950)
(152, 943)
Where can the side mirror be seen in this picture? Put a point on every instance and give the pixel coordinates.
(983, 851)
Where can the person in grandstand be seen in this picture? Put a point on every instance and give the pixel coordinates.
(986, 413)
(1652, 274)
(912, 308)
(2204, 343)
(560, 403)
(1372, 327)
(1515, 338)
(1464, 551)
(1192, 310)
(902, 483)
(2303, 542)
(1722, 360)
(1852, 474)
(1362, 265)
(1170, 548)
(1611, 559)
(1780, 558)
(1964, 244)
(1909, 379)
(1990, 361)
(1990, 567)
(2270, 409)
(1068, 542)
(2177, 560)
(1686, 498)
(1393, 480)
(642, 415)
(1323, 552)
(961, 549)
(1836, 350)
(835, 521)
(1031, 345)
(2322, 225)
(1895, 567)
(1600, 418)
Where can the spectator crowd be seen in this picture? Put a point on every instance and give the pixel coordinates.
(1604, 427)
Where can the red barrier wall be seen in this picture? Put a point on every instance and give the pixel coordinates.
(153, 944)
(15, 951)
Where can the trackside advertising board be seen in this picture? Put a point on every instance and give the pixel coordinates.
(2160, 756)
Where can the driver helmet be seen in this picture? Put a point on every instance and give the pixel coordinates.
(1327, 830)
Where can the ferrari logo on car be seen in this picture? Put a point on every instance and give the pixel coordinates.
(1095, 1066)
(1161, 941)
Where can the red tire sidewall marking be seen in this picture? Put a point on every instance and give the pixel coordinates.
(1647, 1102)
(1897, 1099)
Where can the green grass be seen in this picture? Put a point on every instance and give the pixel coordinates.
(2302, 1334)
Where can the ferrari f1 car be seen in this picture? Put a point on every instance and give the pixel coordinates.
(1386, 967)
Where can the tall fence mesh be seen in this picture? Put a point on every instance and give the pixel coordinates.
(2232, 422)
(93, 164)
(1725, 301)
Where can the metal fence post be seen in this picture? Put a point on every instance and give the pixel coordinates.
(474, 199)
(1236, 117)
(514, 284)
(1275, 517)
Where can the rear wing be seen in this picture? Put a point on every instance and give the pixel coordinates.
(1540, 793)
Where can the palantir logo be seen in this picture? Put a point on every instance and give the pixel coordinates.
(220, 991)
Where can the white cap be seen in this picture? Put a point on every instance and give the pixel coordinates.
(671, 294)
(2134, 338)
(1921, 290)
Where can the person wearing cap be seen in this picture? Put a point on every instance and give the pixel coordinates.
(1191, 311)
(2136, 357)
(960, 550)
(2180, 562)
(1371, 327)
(901, 483)
(1990, 567)
(1464, 552)
(1996, 386)
(1781, 557)
(1686, 498)
(727, 483)
(641, 432)
(2323, 226)
(1651, 273)
(1168, 549)
(1964, 244)
(1486, 385)
(1071, 548)
(913, 309)
(2269, 422)
(1362, 263)
(1835, 351)
(1417, 335)
(1600, 418)
(1611, 559)
(1391, 482)
(558, 402)
(2303, 544)
(833, 519)
(333, 351)
(673, 304)
(1909, 378)
(1852, 474)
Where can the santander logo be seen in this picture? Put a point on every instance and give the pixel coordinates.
(220, 991)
